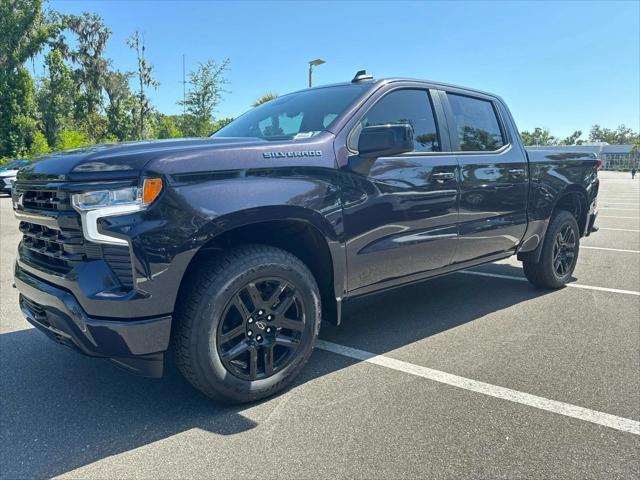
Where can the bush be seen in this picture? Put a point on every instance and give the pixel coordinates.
(39, 145)
(167, 128)
(72, 139)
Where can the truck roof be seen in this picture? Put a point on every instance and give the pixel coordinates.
(382, 81)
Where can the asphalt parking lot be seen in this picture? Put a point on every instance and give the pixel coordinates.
(469, 375)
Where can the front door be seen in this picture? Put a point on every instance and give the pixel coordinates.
(400, 218)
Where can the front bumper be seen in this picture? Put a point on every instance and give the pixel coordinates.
(134, 344)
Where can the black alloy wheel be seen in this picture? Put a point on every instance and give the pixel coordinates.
(558, 255)
(564, 250)
(261, 328)
(247, 323)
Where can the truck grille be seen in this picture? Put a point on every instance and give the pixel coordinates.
(60, 245)
(49, 200)
(55, 248)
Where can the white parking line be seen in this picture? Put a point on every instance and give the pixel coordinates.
(609, 249)
(605, 419)
(572, 285)
(619, 229)
(621, 209)
(604, 202)
(615, 216)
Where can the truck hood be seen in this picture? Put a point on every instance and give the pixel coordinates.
(131, 159)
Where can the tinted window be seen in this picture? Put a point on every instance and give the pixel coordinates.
(407, 106)
(297, 115)
(476, 123)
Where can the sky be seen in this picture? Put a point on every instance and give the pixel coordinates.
(559, 65)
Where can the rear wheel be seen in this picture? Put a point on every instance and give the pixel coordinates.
(248, 324)
(559, 253)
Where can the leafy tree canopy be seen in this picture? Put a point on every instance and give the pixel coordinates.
(539, 136)
(206, 86)
(620, 136)
(267, 97)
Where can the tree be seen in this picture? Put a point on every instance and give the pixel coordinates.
(56, 97)
(620, 136)
(166, 126)
(120, 121)
(267, 97)
(17, 112)
(145, 80)
(72, 139)
(539, 136)
(92, 36)
(39, 145)
(218, 124)
(204, 95)
(573, 139)
(23, 33)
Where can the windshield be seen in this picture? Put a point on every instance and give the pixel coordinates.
(297, 115)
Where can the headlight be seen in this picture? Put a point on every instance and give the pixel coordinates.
(124, 197)
(108, 203)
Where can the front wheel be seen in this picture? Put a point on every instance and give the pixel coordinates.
(248, 324)
(559, 253)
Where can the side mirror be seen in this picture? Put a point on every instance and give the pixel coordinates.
(381, 141)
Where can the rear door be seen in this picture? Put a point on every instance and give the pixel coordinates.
(494, 179)
(400, 218)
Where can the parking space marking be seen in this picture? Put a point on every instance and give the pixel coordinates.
(572, 285)
(619, 229)
(615, 216)
(621, 209)
(568, 410)
(609, 205)
(609, 249)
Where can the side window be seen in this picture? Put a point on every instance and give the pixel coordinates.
(476, 123)
(407, 106)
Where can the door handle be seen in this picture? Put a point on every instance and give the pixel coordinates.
(517, 172)
(443, 176)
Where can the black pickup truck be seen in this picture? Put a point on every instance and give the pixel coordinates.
(229, 250)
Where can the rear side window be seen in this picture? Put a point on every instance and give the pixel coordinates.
(407, 106)
(476, 124)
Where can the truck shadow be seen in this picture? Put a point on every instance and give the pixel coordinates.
(390, 320)
(61, 411)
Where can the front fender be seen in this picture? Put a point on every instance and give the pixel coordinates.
(191, 214)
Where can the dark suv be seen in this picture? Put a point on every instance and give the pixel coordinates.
(232, 248)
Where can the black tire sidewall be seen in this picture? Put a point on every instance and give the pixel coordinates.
(559, 221)
(209, 315)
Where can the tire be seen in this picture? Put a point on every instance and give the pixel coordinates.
(245, 300)
(559, 253)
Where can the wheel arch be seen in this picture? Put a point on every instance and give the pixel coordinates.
(573, 199)
(300, 231)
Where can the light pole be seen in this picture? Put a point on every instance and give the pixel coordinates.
(313, 63)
